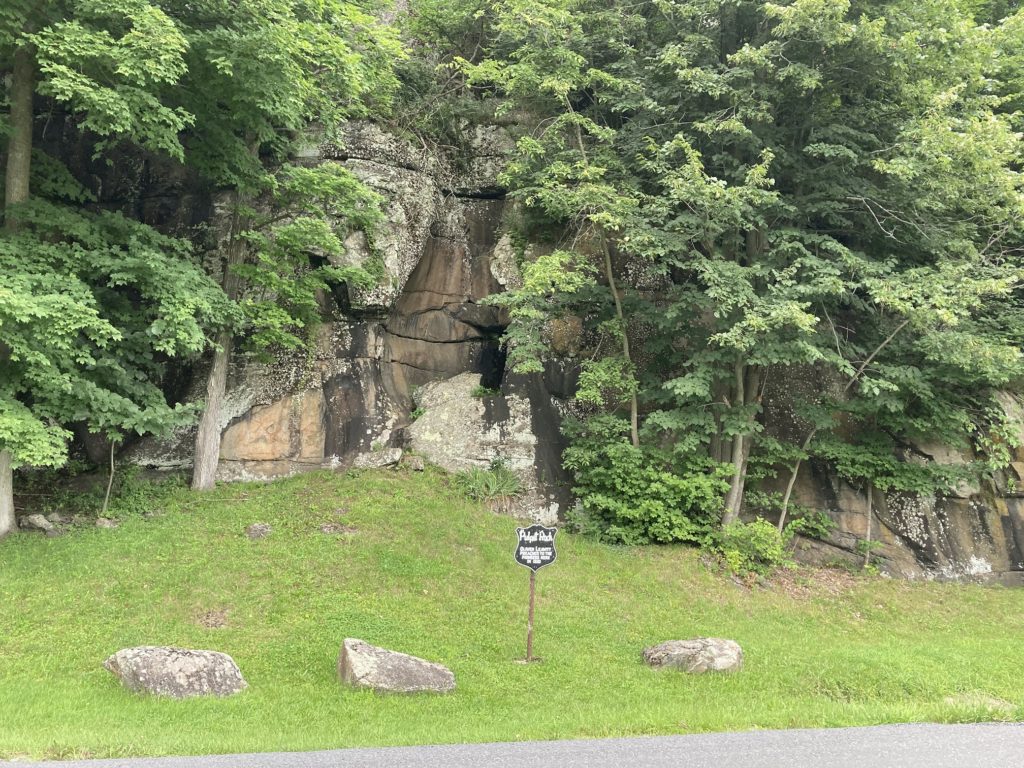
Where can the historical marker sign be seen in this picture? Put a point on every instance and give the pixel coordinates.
(536, 546)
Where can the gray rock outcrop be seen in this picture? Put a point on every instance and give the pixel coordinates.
(177, 673)
(362, 665)
(459, 429)
(386, 457)
(35, 523)
(696, 656)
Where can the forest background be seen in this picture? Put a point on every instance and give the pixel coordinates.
(726, 194)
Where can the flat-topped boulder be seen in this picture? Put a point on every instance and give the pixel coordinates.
(362, 665)
(178, 673)
(697, 655)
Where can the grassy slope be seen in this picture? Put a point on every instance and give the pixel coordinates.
(427, 573)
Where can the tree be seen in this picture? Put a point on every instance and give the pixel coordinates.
(258, 74)
(821, 186)
(93, 304)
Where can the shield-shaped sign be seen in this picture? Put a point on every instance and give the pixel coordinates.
(536, 547)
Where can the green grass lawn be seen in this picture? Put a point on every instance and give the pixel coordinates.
(420, 570)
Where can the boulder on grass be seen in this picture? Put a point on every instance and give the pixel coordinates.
(35, 523)
(178, 673)
(362, 665)
(696, 656)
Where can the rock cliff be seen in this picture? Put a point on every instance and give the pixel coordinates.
(418, 365)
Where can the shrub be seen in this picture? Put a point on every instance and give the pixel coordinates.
(814, 524)
(496, 486)
(632, 496)
(751, 548)
(481, 391)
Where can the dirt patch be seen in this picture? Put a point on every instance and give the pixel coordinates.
(213, 619)
(337, 529)
(808, 582)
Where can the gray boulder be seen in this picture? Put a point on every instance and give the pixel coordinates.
(35, 523)
(386, 457)
(362, 665)
(696, 656)
(177, 673)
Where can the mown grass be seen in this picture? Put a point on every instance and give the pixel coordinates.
(421, 570)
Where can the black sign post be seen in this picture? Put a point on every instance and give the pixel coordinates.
(536, 548)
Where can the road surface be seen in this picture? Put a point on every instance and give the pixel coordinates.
(889, 746)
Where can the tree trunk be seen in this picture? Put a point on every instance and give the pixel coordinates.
(746, 392)
(867, 535)
(207, 448)
(734, 499)
(16, 190)
(19, 146)
(634, 409)
(7, 521)
(207, 452)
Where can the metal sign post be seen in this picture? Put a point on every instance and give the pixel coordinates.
(536, 548)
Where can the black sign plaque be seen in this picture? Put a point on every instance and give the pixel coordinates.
(536, 547)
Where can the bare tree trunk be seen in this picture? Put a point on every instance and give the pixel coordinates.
(207, 452)
(867, 535)
(16, 190)
(19, 147)
(737, 486)
(207, 448)
(7, 521)
(746, 392)
(110, 480)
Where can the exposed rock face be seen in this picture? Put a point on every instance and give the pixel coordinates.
(696, 656)
(178, 673)
(424, 333)
(459, 429)
(362, 665)
(351, 394)
(975, 532)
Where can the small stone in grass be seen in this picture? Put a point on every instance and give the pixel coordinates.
(258, 531)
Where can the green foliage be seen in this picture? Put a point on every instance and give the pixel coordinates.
(415, 413)
(630, 496)
(293, 252)
(814, 524)
(786, 187)
(496, 486)
(550, 281)
(751, 548)
(481, 391)
(93, 307)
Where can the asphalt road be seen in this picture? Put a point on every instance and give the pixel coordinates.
(889, 746)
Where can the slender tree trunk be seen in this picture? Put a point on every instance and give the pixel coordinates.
(16, 190)
(746, 392)
(207, 453)
(867, 535)
(807, 441)
(207, 448)
(7, 521)
(19, 146)
(110, 481)
(634, 409)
